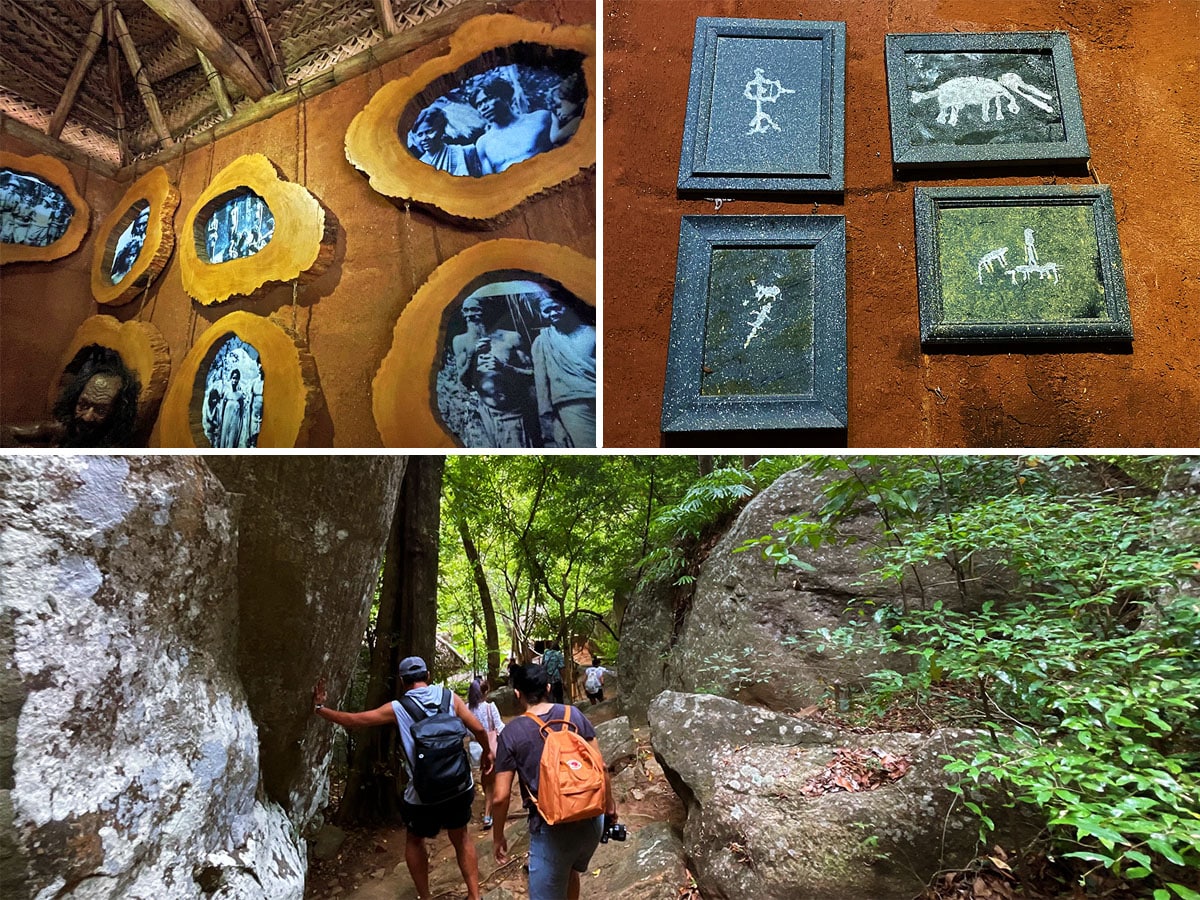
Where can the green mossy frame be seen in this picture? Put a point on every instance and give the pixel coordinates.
(957, 228)
(711, 313)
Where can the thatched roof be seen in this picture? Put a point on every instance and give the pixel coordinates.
(45, 41)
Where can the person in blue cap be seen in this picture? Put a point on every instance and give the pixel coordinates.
(423, 820)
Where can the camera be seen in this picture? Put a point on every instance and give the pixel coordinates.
(613, 830)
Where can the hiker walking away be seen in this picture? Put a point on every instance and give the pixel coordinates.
(565, 820)
(440, 790)
(593, 680)
(488, 716)
(554, 661)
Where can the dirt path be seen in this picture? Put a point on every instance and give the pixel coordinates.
(371, 864)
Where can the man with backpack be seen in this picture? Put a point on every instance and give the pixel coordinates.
(554, 661)
(433, 721)
(593, 681)
(564, 785)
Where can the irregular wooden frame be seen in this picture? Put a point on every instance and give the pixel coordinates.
(155, 189)
(374, 145)
(1074, 147)
(830, 175)
(934, 330)
(55, 172)
(302, 246)
(684, 407)
(142, 349)
(291, 396)
(404, 391)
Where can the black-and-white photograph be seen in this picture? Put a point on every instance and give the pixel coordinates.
(233, 396)
(239, 228)
(33, 212)
(519, 367)
(501, 117)
(129, 242)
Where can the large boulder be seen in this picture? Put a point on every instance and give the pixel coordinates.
(750, 631)
(647, 632)
(617, 743)
(130, 764)
(752, 832)
(649, 865)
(312, 531)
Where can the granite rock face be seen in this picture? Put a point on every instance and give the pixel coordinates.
(647, 630)
(751, 832)
(130, 755)
(311, 536)
(748, 634)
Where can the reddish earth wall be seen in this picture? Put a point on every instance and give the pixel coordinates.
(42, 304)
(1138, 72)
(384, 254)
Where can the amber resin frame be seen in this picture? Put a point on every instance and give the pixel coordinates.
(374, 145)
(291, 396)
(142, 349)
(56, 173)
(403, 393)
(154, 188)
(302, 246)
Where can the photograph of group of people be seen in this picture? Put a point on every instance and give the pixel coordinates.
(499, 118)
(233, 396)
(129, 244)
(239, 228)
(32, 212)
(519, 368)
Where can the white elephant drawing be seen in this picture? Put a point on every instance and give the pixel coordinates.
(973, 90)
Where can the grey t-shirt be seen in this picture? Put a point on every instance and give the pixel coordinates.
(429, 695)
(520, 747)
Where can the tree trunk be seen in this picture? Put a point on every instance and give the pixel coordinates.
(485, 600)
(406, 625)
(705, 465)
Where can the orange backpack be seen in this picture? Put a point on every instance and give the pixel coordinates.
(571, 775)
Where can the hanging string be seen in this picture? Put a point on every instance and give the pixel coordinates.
(145, 293)
(295, 292)
(182, 158)
(375, 69)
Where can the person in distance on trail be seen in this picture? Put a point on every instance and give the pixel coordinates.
(557, 853)
(554, 661)
(424, 820)
(593, 680)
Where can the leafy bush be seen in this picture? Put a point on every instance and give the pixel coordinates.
(1086, 679)
(676, 530)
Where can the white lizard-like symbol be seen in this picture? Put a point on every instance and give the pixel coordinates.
(766, 295)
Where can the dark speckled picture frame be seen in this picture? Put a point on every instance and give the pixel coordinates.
(758, 326)
(794, 140)
(1019, 264)
(1044, 121)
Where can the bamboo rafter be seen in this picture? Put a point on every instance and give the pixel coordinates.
(217, 86)
(114, 83)
(259, 26)
(230, 60)
(140, 79)
(90, 46)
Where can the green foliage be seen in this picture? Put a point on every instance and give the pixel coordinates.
(558, 538)
(1085, 679)
(677, 529)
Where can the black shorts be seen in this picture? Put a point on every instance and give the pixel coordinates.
(427, 820)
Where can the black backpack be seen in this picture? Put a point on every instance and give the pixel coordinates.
(441, 766)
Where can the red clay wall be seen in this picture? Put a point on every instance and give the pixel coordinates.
(384, 254)
(1138, 73)
(41, 305)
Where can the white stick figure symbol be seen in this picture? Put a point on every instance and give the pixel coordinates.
(765, 91)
